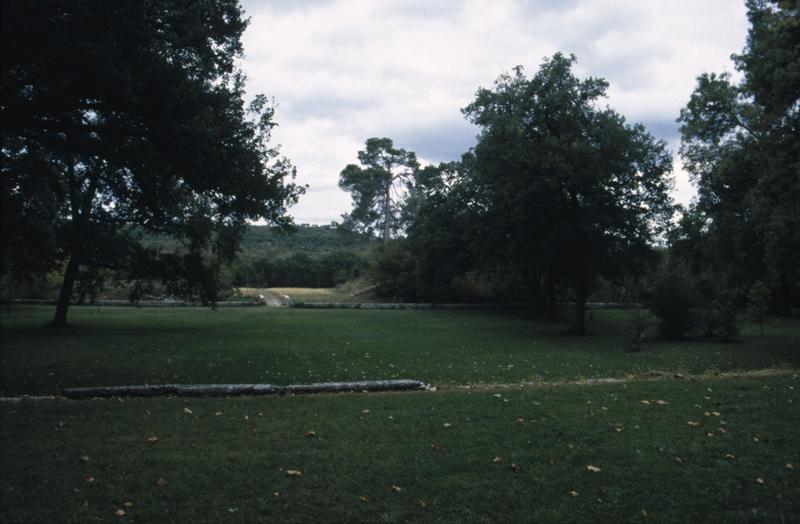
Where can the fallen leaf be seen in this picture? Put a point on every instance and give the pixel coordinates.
(187, 411)
(246, 417)
(421, 503)
(152, 439)
(593, 469)
(362, 498)
(364, 412)
(88, 478)
(84, 459)
(397, 489)
(759, 480)
(497, 460)
(730, 456)
(310, 434)
(645, 402)
(218, 413)
(276, 493)
(515, 468)
(618, 430)
(722, 430)
(644, 513)
(120, 513)
(662, 402)
(706, 413)
(435, 447)
(520, 420)
(716, 413)
(789, 465)
(574, 493)
(693, 423)
(293, 473)
(446, 425)
(497, 395)
(128, 504)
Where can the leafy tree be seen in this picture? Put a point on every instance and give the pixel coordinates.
(378, 186)
(567, 190)
(739, 142)
(123, 117)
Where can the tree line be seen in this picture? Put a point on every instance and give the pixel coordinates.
(560, 192)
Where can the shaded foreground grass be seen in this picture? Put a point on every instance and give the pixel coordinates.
(128, 346)
(714, 450)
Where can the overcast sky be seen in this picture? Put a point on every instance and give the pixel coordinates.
(343, 71)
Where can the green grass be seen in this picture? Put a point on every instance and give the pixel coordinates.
(126, 346)
(226, 460)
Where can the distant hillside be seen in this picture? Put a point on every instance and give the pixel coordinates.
(304, 238)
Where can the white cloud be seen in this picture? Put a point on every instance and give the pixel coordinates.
(343, 71)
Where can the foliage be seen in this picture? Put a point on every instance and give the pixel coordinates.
(118, 115)
(378, 186)
(739, 142)
(672, 301)
(565, 190)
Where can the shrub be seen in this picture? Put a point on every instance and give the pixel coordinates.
(672, 299)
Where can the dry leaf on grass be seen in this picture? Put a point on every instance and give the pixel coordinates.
(120, 513)
(574, 493)
(789, 466)
(693, 423)
(309, 434)
(363, 498)
(88, 478)
(662, 402)
(435, 447)
(421, 503)
(645, 402)
(364, 411)
(187, 411)
(446, 425)
(593, 469)
(730, 456)
(397, 489)
(152, 439)
(516, 468)
(293, 473)
(497, 460)
(84, 459)
(759, 480)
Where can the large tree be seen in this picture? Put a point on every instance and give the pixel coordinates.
(123, 117)
(740, 143)
(379, 185)
(566, 189)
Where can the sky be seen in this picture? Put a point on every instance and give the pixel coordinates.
(342, 71)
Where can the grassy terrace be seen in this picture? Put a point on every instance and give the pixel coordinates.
(712, 449)
(125, 346)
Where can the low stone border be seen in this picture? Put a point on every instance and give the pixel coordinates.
(218, 390)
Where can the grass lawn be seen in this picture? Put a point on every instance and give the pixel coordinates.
(713, 450)
(708, 449)
(127, 346)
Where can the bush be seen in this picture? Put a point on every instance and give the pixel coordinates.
(672, 300)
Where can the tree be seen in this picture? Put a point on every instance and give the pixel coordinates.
(378, 188)
(739, 143)
(757, 303)
(120, 118)
(567, 190)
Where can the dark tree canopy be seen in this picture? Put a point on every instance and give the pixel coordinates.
(123, 114)
(379, 186)
(568, 190)
(740, 143)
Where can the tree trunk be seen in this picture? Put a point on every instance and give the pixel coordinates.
(579, 324)
(387, 209)
(67, 284)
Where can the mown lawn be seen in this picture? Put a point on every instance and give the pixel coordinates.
(713, 450)
(126, 346)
